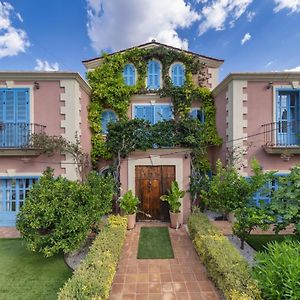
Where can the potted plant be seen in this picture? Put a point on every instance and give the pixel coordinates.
(129, 203)
(173, 198)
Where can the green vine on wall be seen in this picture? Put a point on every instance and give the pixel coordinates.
(110, 92)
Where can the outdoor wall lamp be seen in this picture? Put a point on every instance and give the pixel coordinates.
(270, 84)
(36, 85)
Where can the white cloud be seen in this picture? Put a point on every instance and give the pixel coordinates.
(12, 40)
(120, 24)
(292, 5)
(296, 69)
(250, 15)
(44, 65)
(269, 63)
(246, 38)
(217, 13)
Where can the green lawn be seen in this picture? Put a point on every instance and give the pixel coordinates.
(155, 242)
(258, 241)
(29, 276)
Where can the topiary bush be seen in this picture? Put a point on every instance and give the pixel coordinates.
(58, 213)
(227, 268)
(94, 276)
(278, 270)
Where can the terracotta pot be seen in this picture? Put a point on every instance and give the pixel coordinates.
(131, 221)
(175, 220)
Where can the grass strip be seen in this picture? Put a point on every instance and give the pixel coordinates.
(155, 243)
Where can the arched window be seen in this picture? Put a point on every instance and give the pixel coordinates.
(178, 74)
(106, 117)
(198, 113)
(154, 75)
(129, 75)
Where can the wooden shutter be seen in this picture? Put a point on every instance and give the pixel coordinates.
(21, 106)
(153, 82)
(162, 113)
(178, 75)
(144, 112)
(129, 75)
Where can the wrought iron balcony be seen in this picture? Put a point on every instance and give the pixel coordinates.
(282, 135)
(18, 135)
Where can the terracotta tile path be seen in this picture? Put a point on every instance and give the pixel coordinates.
(183, 277)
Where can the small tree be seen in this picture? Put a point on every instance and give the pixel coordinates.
(249, 216)
(58, 213)
(286, 201)
(227, 190)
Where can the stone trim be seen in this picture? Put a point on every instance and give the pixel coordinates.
(72, 121)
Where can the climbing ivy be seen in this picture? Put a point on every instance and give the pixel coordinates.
(110, 91)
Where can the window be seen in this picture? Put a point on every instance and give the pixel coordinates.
(153, 113)
(129, 75)
(287, 117)
(14, 117)
(264, 194)
(154, 75)
(13, 192)
(106, 117)
(178, 74)
(198, 113)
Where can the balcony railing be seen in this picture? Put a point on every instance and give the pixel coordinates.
(18, 135)
(282, 134)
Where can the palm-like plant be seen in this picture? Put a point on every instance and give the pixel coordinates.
(173, 197)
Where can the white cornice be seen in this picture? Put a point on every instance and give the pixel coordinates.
(257, 76)
(43, 75)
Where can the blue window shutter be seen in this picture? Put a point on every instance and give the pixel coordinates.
(1, 105)
(162, 113)
(154, 70)
(22, 106)
(178, 75)
(9, 107)
(198, 113)
(129, 75)
(106, 117)
(144, 112)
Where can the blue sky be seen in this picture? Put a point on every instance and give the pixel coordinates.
(250, 35)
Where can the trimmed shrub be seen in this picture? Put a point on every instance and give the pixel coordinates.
(94, 276)
(225, 265)
(278, 270)
(58, 213)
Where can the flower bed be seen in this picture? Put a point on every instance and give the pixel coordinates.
(224, 264)
(94, 277)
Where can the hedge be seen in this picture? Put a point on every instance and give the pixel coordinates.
(225, 265)
(94, 276)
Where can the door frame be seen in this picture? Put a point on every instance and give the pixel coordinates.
(155, 160)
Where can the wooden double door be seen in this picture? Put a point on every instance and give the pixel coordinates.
(150, 183)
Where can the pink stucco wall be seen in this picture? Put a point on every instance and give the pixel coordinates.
(46, 111)
(260, 111)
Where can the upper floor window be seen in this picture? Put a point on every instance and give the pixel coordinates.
(129, 75)
(198, 113)
(178, 74)
(14, 117)
(153, 75)
(106, 117)
(153, 113)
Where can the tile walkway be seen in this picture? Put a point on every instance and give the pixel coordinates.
(9, 232)
(183, 277)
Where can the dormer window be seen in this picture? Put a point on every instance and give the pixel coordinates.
(154, 75)
(178, 74)
(129, 75)
(106, 117)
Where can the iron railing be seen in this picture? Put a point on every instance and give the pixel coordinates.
(18, 135)
(282, 134)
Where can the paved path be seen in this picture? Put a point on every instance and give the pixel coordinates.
(183, 277)
(9, 232)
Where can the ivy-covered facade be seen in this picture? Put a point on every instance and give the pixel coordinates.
(152, 118)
